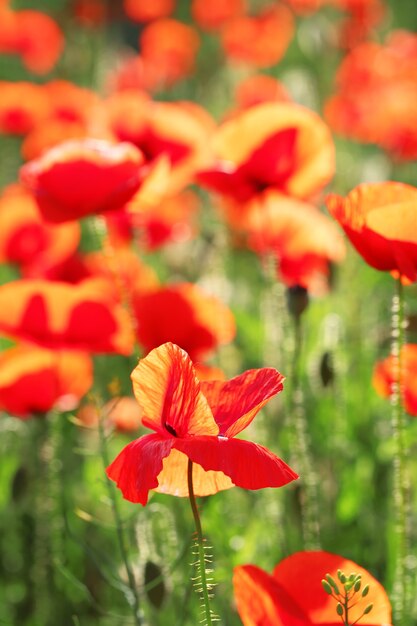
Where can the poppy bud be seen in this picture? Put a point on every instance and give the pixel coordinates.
(297, 300)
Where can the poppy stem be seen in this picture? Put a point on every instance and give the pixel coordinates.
(202, 586)
(309, 499)
(133, 598)
(400, 459)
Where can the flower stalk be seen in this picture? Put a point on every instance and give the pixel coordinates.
(203, 585)
(400, 459)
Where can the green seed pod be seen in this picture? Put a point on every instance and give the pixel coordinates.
(365, 591)
(342, 577)
(357, 585)
(368, 609)
(339, 609)
(348, 586)
(327, 588)
(332, 583)
(352, 576)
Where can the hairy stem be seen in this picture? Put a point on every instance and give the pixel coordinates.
(134, 596)
(400, 458)
(200, 547)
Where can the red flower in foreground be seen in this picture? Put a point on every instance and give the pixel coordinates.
(380, 220)
(294, 596)
(385, 374)
(79, 178)
(196, 421)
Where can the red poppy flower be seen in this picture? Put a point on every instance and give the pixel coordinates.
(145, 11)
(260, 40)
(196, 421)
(258, 89)
(26, 239)
(380, 220)
(61, 315)
(35, 380)
(22, 106)
(80, 178)
(216, 13)
(274, 145)
(183, 314)
(385, 374)
(35, 37)
(172, 136)
(170, 46)
(294, 596)
(303, 239)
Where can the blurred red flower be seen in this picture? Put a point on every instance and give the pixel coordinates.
(280, 146)
(385, 375)
(22, 106)
(145, 11)
(80, 178)
(215, 14)
(293, 594)
(260, 40)
(26, 239)
(170, 47)
(303, 239)
(380, 220)
(196, 421)
(32, 35)
(376, 92)
(185, 315)
(60, 315)
(122, 413)
(33, 380)
(260, 88)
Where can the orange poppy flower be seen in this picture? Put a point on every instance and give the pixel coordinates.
(380, 220)
(145, 11)
(385, 375)
(304, 240)
(35, 37)
(294, 595)
(171, 48)
(26, 239)
(33, 380)
(60, 315)
(215, 14)
(260, 40)
(134, 73)
(22, 106)
(186, 315)
(90, 12)
(196, 421)
(80, 178)
(282, 146)
(208, 372)
(173, 137)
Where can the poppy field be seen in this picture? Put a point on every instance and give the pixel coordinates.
(208, 312)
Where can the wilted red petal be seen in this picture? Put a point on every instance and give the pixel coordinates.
(235, 403)
(261, 601)
(167, 390)
(135, 470)
(248, 464)
(300, 575)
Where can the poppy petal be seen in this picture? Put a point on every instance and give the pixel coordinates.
(135, 470)
(174, 477)
(236, 402)
(166, 388)
(261, 601)
(248, 464)
(291, 575)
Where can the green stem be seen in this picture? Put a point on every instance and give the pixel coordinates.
(200, 546)
(400, 458)
(309, 499)
(134, 598)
